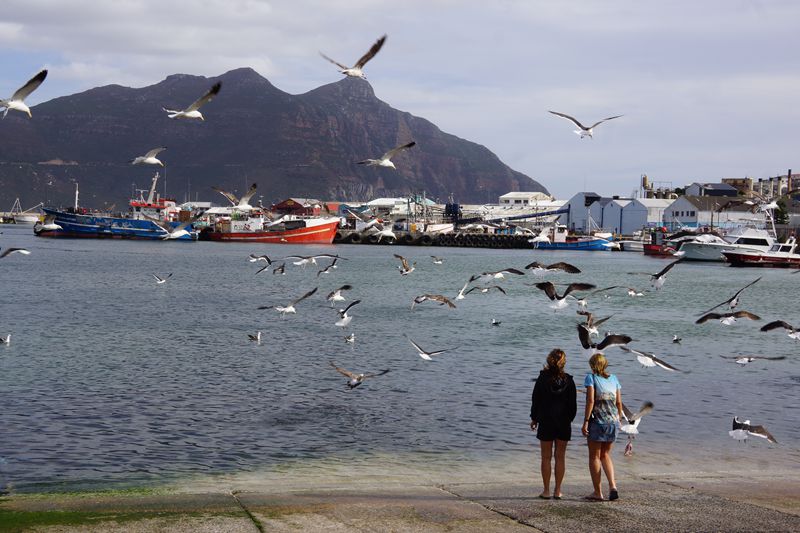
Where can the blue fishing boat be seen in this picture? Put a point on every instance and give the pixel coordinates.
(152, 218)
(557, 237)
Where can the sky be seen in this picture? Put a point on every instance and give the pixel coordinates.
(708, 89)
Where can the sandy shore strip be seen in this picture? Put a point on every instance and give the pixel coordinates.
(757, 500)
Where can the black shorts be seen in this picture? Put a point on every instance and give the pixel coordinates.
(548, 432)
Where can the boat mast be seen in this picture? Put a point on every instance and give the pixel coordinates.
(76, 196)
(152, 195)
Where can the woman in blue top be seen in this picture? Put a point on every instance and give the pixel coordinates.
(603, 405)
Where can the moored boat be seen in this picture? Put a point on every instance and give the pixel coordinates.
(709, 247)
(557, 238)
(285, 230)
(780, 255)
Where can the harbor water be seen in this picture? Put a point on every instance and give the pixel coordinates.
(113, 380)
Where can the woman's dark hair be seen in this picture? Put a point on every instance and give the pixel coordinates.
(556, 360)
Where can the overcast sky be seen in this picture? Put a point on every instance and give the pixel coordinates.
(709, 89)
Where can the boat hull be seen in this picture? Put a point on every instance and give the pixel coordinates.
(585, 245)
(77, 225)
(318, 234)
(745, 259)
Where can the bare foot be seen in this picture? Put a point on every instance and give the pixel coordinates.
(594, 497)
(545, 495)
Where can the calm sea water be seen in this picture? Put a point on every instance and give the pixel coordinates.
(111, 378)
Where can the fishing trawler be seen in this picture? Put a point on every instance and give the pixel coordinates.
(150, 218)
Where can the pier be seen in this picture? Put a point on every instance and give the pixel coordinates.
(459, 239)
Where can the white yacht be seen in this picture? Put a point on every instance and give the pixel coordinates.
(709, 247)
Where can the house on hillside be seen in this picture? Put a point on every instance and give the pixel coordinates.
(711, 189)
(699, 211)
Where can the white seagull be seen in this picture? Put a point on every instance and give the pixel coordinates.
(254, 258)
(462, 293)
(149, 158)
(255, 338)
(350, 339)
(428, 356)
(746, 359)
(733, 301)
(741, 430)
(328, 268)
(160, 280)
(590, 348)
(591, 324)
(631, 425)
(6, 341)
(289, 308)
(650, 360)
(17, 100)
(344, 318)
(177, 232)
(336, 295)
(727, 319)
(385, 159)
(583, 131)
(9, 251)
(49, 224)
(192, 112)
(243, 203)
(356, 379)
(560, 302)
(793, 332)
(437, 260)
(486, 277)
(486, 289)
(404, 267)
(659, 278)
(356, 71)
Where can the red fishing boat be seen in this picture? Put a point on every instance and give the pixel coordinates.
(288, 229)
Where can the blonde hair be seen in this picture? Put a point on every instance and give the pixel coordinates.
(598, 363)
(556, 360)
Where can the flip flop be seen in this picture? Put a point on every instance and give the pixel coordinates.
(543, 497)
(593, 498)
(613, 495)
(557, 497)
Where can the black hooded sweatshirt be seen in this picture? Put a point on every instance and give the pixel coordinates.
(554, 400)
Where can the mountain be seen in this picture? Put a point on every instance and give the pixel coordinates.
(302, 145)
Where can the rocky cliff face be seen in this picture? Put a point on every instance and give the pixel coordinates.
(290, 145)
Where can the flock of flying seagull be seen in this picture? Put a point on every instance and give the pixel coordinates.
(484, 282)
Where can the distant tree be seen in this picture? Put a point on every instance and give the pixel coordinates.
(781, 214)
(680, 191)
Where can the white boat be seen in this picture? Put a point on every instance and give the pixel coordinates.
(26, 219)
(708, 247)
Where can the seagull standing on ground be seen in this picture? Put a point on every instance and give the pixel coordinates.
(192, 112)
(17, 100)
(385, 159)
(356, 379)
(583, 131)
(356, 71)
(149, 158)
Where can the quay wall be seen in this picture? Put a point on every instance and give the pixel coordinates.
(467, 240)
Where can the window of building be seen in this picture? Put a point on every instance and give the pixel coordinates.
(691, 213)
(517, 201)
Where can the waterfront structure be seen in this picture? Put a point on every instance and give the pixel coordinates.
(643, 212)
(521, 198)
(710, 211)
(711, 189)
(577, 219)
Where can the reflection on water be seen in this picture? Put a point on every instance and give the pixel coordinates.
(112, 378)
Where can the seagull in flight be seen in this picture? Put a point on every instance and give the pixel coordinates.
(676, 339)
(733, 301)
(793, 332)
(255, 258)
(560, 302)
(437, 260)
(727, 319)
(746, 359)
(357, 70)
(6, 341)
(590, 348)
(328, 268)
(404, 267)
(486, 277)
(428, 356)
(540, 269)
(336, 295)
(659, 278)
(243, 203)
(650, 360)
(741, 430)
(280, 269)
(591, 324)
(496, 322)
(442, 300)
(350, 339)
(486, 289)
(631, 425)
(9, 251)
(192, 112)
(255, 338)
(344, 318)
(463, 292)
(173, 233)
(583, 131)
(160, 280)
(149, 158)
(356, 379)
(17, 100)
(289, 308)
(385, 159)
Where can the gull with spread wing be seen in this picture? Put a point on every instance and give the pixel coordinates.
(149, 158)
(243, 203)
(386, 159)
(584, 131)
(193, 111)
(17, 100)
(356, 379)
(289, 308)
(650, 360)
(357, 70)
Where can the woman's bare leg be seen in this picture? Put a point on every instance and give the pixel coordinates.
(547, 455)
(608, 465)
(561, 465)
(594, 466)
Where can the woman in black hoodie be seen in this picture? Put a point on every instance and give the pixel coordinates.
(553, 407)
